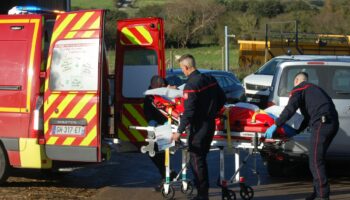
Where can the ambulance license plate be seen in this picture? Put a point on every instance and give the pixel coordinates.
(68, 130)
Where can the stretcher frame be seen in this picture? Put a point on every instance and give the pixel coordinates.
(231, 141)
(253, 142)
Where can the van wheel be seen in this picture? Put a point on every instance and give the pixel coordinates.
(275, 168)
(4, 165)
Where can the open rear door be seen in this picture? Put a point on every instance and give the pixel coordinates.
(73, 88)
(139, 56)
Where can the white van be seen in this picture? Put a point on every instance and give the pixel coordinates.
(333, 76)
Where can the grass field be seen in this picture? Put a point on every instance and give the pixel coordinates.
(206, 57)
(86, 4)
(110, 4)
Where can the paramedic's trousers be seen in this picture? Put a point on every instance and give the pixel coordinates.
(320, 139)
(201, 136)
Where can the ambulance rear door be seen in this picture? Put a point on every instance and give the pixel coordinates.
(139, 56)
(74, 88)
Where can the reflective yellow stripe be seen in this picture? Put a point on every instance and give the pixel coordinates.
(96, 24)
(130, 36)
(91, 136)
(90, 114)
(10, 109)
(93, 133)
(122, 136)
(145, 33)
(80, 105)
(135, 133)
(68, 141)
(70, 34)
(62, 26)
(79, 24)
(135, 114)
(63, 105)
(10, 21)
(52, 140)
(82, 20)
(88, 34)
(31, 62)
(60, 108)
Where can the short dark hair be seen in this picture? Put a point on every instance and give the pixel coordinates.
(302, 73)
(157, 82)
(190, 58)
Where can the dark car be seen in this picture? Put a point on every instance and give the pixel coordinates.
(229, 83)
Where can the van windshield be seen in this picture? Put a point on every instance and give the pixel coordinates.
(268, 68)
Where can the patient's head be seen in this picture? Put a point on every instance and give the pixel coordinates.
(157, 82)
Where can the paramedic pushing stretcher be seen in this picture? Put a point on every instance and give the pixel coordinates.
(321, 116)
(203, 98)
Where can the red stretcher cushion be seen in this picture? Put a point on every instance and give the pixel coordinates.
(241, 119)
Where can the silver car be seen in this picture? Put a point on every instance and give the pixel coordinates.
(334, 77)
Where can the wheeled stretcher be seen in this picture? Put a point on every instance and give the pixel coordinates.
(238, 127)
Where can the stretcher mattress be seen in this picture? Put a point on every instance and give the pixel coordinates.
(245, 119)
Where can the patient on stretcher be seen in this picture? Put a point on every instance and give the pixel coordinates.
(243, 117)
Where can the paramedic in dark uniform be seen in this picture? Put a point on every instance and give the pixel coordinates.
(321, 116)
(203, 98)
(155, 118)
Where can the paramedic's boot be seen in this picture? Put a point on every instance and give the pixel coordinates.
(312, 196)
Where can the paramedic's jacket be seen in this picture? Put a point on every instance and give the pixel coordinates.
(313, 102)
(203, 98)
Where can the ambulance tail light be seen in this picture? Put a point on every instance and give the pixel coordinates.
(38, 121)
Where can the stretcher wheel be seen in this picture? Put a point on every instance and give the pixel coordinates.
(152, 153)
(247, 193)
(143, 149)
(228, 194)
(189, 189)
(171, 193)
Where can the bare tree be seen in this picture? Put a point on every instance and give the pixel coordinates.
(185, 20)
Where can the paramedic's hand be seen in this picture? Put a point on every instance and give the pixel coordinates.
(175, 137)
(269, 132)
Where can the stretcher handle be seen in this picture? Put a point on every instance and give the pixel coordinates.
(142, 128)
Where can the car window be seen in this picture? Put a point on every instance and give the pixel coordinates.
(269, 68)
(221, 81)
(334, 80)
(341, 83)
(287, 80)
(230, 81)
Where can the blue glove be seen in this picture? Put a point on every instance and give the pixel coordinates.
(269, 132)
(152, 123)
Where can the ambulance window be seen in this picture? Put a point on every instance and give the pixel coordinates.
(139, 67)
(75, 65)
